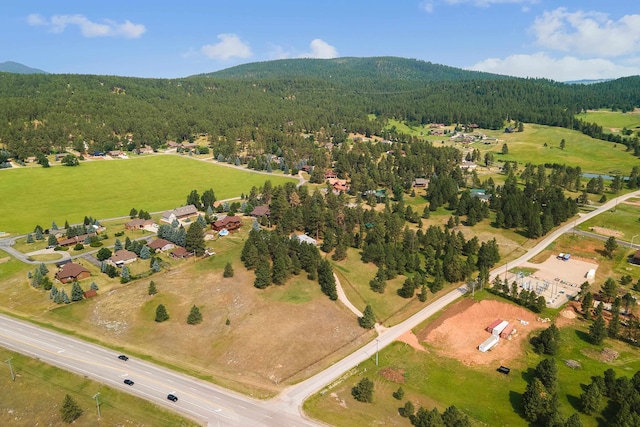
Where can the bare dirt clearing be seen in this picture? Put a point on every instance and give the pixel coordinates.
(606, 231)
(458, 333)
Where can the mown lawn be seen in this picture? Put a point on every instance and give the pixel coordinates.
(106, 189)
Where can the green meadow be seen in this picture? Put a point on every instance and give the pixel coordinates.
(106, 189)
(612, 120)
(541, 144)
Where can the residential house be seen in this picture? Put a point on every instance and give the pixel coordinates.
(303, 238)
(138, 224)
(229, 223)
(122, 257)
(145, 150)
(330, 174)
(71, 272)
(420, 183)
(468, 165)
(306, 168)
(481, 194)
(180, 252)
(161, 245)
(182, 212)
(636, 257)
(260, 211)
(74, 240)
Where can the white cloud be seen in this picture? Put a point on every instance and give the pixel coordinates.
(320, 49)
(230, 46)
(562, 69)
(588, 33)
(278, 52)
(109, 28)
(427, 6)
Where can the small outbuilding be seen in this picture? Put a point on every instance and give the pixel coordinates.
(508, 331)
(493, 325)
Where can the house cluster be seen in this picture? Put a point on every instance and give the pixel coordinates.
(163, 245)
(184, 146)
(141, 224)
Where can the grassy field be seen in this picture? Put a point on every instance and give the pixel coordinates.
(432, 380)
(592, 155)
(34, 398)
(624, 220)
(106, 189)
(612, 121)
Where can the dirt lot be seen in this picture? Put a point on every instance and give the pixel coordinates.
(460, 331)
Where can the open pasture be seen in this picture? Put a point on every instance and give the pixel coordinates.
(106, 189)
(613, 121)
(592, 155)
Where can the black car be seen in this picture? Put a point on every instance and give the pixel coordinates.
(123, 357)
(128, 382)
(172, 398)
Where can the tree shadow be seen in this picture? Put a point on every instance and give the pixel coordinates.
(528, 375)
(574, 401)
(583, 336)
(515, 399)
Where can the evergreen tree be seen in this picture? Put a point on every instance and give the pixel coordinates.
(453, 417)
(125, 274)
(117, 246)
(94, 286)
(368, 319)
(53, 293)
(614, 322)
(326, 280)
(610, 246)
(263, 274)
(363, 391)
(145, 252)
(54, 226)
(152, 288)
(39, 234)
(398, 394)
(422, 297)
(133, 213)
(30, 238)
(590, 399)
(43, 268)
(51, 240)
(587, 305)
(76, 292)
(194, 316)
(161, 313)
(155, 265)
(408, 409)
(64, 297)
(534, 401)
(548, 342)
(609, 289)
(573, 421)
(547, 372)
(597, 330)
(70, 411)
(228, 270)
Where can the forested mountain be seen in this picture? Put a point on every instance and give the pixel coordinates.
(15, 67)
(267, 115)
(349, 70)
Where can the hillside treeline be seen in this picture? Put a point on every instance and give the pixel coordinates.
(45, 113)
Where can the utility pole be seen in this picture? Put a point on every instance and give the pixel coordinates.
(95, 396)
(13, 376)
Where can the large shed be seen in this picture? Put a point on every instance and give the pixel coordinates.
(501, 327)
(489, 343)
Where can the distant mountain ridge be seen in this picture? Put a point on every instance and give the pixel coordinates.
(17, 68)
(348, 69)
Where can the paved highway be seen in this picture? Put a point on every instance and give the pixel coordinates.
(207, 403)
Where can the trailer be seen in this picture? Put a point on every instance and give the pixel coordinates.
(493, 325)
(501, 327)
(489, 343)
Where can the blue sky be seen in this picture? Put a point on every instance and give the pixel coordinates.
(558, 39)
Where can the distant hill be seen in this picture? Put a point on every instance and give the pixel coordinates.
(349, 69)
(587, 81)
(14, 67)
